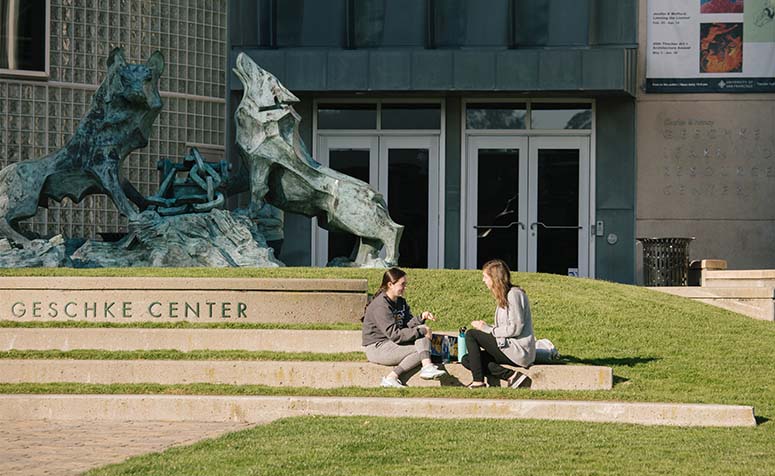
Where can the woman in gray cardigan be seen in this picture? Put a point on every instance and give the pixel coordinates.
(510, 341)
(393, 336)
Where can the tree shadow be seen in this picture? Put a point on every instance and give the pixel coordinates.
(608, 361)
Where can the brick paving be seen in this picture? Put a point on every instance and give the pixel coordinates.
(44, 447)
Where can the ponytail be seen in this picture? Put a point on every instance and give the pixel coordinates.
(391, 276)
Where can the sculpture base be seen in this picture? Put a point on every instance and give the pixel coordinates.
(215, 239)
(218, 238)
(38, 254)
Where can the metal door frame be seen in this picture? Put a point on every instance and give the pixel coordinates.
(527, 221)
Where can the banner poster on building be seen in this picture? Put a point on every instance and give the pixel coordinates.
(697, 46)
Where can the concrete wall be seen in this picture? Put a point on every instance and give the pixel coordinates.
(706, 168)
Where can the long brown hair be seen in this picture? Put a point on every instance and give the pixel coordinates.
(500, 274)
(391, 276)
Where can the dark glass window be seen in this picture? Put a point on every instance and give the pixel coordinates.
(408, 178)
(411, 116)
(347, 116)
(310, 23)
(561, 116)
(471, 23)
(558, 207)
(23, 35)
(355, 163)
(389, 23)
(496, 116)
(498, 206)
(551, 23)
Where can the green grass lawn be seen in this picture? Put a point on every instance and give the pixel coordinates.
(371, 446)
(661, 347)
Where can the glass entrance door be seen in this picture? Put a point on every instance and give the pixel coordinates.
(405, 170)
(528, 203)
(558, 212)
(409, 181)
(497, 201)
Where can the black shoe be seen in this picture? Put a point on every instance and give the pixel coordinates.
(519, 380)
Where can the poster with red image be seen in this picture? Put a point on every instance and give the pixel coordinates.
(711, 46)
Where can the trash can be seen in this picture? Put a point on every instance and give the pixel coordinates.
(665, 261)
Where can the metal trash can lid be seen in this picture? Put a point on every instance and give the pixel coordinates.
(665, 240)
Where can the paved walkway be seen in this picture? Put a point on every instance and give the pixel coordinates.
(39, 447)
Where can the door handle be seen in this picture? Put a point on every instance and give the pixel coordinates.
(555, 227)
(489, 228)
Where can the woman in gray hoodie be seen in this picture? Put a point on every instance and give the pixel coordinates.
(393, 336)
(510, 341)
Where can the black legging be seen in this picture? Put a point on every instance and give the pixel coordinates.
(477, 360)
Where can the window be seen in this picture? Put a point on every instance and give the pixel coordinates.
(394, 23)
(411, 116)
(468, 23)
(355, 116)
(23, 37)
(561, 116)
(496, 116)
(310, 23)
(347, 116)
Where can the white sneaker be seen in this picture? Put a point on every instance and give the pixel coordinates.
(430, 372)
(391, 382)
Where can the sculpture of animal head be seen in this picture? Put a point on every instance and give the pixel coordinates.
(128, 98)
(266, 107)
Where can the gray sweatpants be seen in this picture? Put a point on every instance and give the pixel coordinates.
(405, 357)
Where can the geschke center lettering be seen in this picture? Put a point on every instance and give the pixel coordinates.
(128, 309)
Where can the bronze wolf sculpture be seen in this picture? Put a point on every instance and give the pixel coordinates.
(119, 121)
(283, 173)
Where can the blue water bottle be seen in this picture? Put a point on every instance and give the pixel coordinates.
(445, 349)
(461, 344)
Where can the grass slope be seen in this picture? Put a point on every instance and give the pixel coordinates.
(662, 348)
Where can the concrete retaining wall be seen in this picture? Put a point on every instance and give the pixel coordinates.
(122, 300)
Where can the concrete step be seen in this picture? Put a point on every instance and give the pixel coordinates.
(185, 340)
(126, 300)
(258, 409)
(746, 278)
(273, 373)
(755, 302)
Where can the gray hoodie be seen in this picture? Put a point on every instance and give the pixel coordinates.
(388, 320)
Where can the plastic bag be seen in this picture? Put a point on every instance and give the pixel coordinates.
(546, 352)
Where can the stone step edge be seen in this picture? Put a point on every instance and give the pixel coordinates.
(273, 373)
(109, 338)
(83, 283)
(742, 274)
(256, 409)
(694, 292)
(756, 303)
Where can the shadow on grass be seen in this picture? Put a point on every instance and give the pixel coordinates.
(760, 420)
(610, 361)
(619, 380)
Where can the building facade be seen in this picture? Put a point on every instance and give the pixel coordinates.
(706, 162)
(506, 131)
(522, 130)
(52, 59)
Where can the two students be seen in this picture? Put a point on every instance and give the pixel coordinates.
(393, 336)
